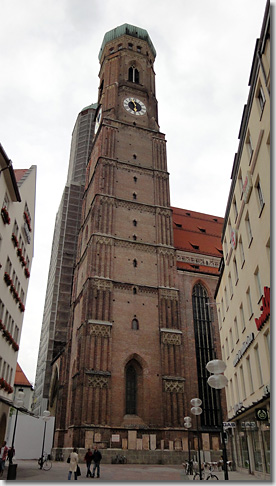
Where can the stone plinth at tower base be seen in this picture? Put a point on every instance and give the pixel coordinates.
(138, 456)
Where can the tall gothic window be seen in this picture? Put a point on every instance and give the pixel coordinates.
(204, 353)
(131, 390)
(133, 74)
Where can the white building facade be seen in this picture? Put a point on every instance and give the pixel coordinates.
(243, 293)
(17, 205)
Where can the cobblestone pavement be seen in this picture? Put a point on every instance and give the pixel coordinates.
(29, 471)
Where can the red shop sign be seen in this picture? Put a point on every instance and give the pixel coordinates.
(265, 309)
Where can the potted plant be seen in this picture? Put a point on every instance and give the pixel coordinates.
(5, 215)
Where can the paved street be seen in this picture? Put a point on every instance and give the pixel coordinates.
(29, 471)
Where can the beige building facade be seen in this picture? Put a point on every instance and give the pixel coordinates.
(17, 205)
(243, 293)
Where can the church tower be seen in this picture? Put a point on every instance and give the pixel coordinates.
(124, 365)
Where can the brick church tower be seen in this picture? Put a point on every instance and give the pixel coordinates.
(122, 374)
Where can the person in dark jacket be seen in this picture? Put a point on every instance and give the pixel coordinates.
(97, 457)
(88, 460)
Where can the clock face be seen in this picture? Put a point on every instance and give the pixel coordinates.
(134, 106)
(98, 120)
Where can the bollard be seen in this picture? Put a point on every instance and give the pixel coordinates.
(12, 471)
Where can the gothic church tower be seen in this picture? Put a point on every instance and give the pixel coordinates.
(124, 362)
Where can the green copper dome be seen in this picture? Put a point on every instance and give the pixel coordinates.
(94, 106)
(127, 29)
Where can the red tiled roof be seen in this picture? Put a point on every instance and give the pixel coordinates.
(189, 267)
(20, 377)
(197, 232)
(19, 173)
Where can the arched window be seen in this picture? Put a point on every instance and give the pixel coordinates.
(135, 324)
(135, 263)
(204, 353)
(131, 390)
(133, 74)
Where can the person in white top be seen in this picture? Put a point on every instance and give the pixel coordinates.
(74, 459)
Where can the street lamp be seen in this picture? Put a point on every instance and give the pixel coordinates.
(218, 381)
(45, 418)
(188, 425)
(196, 410)
(19, 402)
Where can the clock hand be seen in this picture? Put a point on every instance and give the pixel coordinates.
(135, 109)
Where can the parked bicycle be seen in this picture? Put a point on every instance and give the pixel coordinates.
(188, 466)
(119, 459)
(211, 475)
(196, 476)
(205, 475)
(45, 462)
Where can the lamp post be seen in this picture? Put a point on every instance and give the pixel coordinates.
(188, 425)
(45, 418)
(196, 410)
(218, 381)
(19, 402)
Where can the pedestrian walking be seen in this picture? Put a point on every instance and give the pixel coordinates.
(97, 457)
(88, 460)
(3, 455)
(73, 464)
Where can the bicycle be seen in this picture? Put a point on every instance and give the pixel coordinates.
(45, 462)
(119, 459)
(188, 467)
(196, 476)
(211, 475)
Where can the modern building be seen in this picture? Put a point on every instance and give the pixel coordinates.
(141, 327)
(243, 293)
(17, 189)
(64, 246)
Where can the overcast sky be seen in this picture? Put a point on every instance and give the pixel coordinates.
(49, 72)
